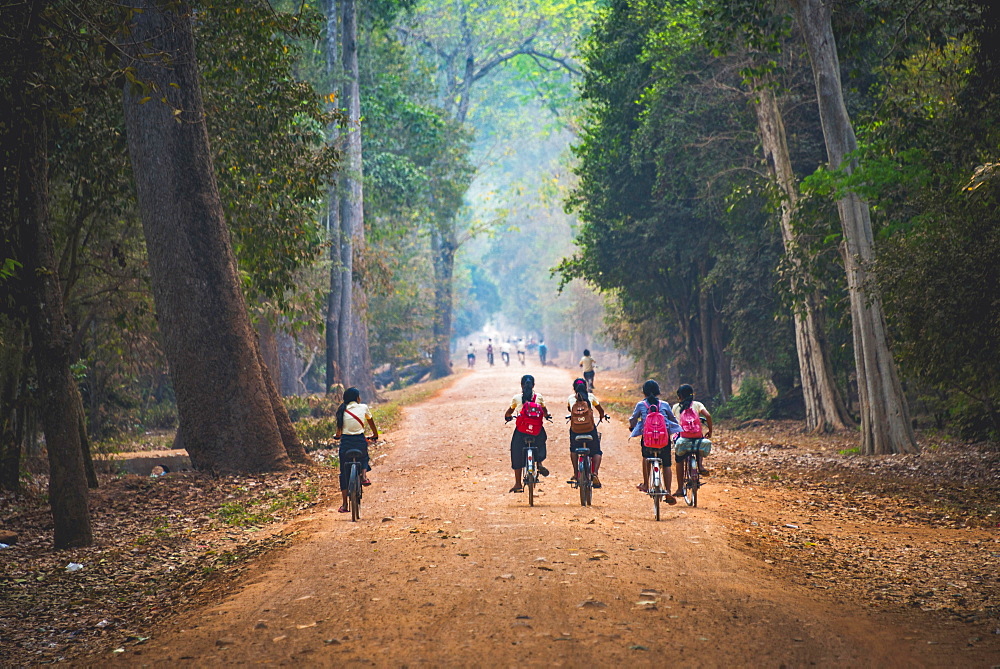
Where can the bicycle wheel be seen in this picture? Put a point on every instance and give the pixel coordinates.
(530, 483)
(656, 505)
(588, 476)
(691, 482)
(354, 493)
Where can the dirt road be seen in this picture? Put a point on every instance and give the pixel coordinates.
(447, 568)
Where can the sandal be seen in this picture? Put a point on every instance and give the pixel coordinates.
(343, 509)
(679, 493)
(517, 489)
(366, 482)
(669, 499)
(642, 487)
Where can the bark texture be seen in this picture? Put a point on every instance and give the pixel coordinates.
(825, 409)
(50, 345)
(340, 249)
(885, 419)
(224, 406)
(356, 362)
(443, 255)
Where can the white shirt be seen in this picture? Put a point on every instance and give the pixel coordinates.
(572, 400)
(351, 424)
(515, 403)
(471, 350)
(505, 347)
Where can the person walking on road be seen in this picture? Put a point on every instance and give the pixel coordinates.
(588, 364)
(543, 351)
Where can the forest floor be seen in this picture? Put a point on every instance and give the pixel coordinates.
(799, 552)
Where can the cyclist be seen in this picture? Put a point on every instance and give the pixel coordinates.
(520, 350)
(543, 351)
(489, 352)
(588, 365)
(470, 355)
(651, 391)
(505, 352)
(517, 444)
(690, 414)
(351, 419)
(581, 405)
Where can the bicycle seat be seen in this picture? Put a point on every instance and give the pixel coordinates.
(583, 437)
(353, 453)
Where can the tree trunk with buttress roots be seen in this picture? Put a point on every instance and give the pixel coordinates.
(825, 409)
(885, 418)
(226, 414)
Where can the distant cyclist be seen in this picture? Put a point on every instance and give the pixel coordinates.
(543, 351)
(505, 352)
(528, 399)
(588, 364)
(489, 352)
(581, 405)
(470, 355)
(520, 350)
(351, 419)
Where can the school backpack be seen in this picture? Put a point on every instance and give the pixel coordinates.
(690, 423)
(581, 419)
(529, 421)
(654, 428)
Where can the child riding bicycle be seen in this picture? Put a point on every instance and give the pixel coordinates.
(638, 420)
(581, 405)
(527, 402)
(351, 419)
(692, 437)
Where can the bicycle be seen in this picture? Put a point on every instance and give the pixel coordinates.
(691, 475)
(355, 481)
(655, 488)
(529, 474)
(489, 357)
(584, 469)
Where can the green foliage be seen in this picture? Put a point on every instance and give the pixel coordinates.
(752, 401)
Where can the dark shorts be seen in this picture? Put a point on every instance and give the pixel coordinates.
(662, 453)
(517, 445)
(595, 443)
(349, 442)
(589, 376)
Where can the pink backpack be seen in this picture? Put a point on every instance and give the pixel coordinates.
(654, 429)
(690, 423)
(529, 421)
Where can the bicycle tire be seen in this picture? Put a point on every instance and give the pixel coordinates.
(531, 489)
(588, 475)
(656, 505)
(581, 484)
(354, 493)
(691, 482)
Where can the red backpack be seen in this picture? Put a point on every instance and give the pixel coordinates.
(654, 428)
(690, 423)
(529, 421)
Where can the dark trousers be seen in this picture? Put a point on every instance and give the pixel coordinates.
(349, 442)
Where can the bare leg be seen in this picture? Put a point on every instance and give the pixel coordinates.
(597, 462)
(680, 479)
(645, 474)
(343, 499)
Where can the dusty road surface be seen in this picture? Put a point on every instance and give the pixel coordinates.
(446, 568)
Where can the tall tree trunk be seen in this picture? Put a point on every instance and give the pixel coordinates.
(443, 256)
(225, 413)
(50, 343)
(825, 409)
(268, 341)
(358, 360)
(13, 402)
(885, 418)
(335, 298)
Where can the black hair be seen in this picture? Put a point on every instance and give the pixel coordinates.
(350, 395)
(586, 351)
(580, 388)
(527, 388)
(651, 391)
(686, 394)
